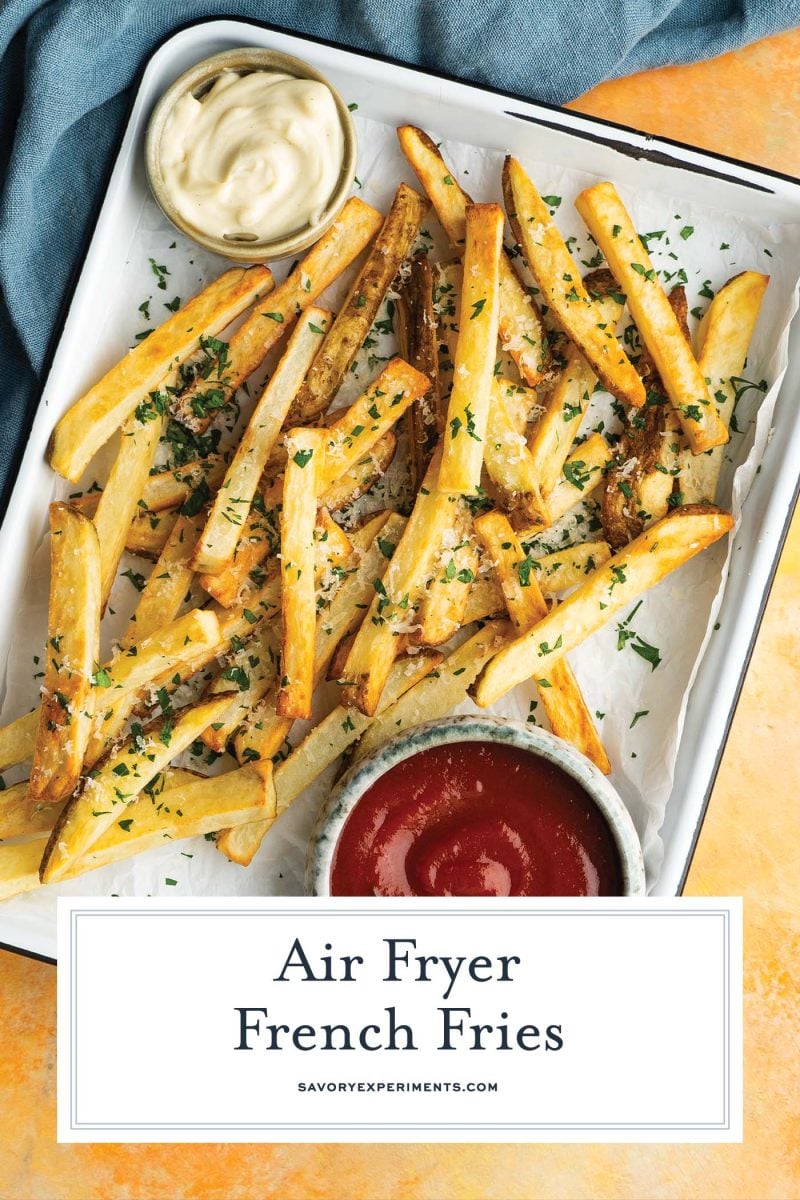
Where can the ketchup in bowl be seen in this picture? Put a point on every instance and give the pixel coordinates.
(476, 819)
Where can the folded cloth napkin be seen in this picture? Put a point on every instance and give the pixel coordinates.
(67, 67)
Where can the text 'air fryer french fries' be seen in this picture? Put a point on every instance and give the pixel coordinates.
(189, 807)
(353, 229)
(72, 650)
(612, 228)
(94, 418)
(304, 468)
(353, 323)
(559, 693)
(468, 408)
(664, 547)
(723, 338)
(118, 780)
(560, 280)
(231, 505)
(521, 329)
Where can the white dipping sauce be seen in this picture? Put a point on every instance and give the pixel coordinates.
(258, 156)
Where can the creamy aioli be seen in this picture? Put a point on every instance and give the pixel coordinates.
(257, 157)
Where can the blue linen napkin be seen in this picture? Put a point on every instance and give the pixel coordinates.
(67, 65)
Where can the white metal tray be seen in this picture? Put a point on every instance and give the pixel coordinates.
(395, 94)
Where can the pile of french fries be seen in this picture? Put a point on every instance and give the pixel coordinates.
(265, 586)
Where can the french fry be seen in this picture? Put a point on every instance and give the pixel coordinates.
(320, 748)
(253, 669)
(554, 573)
(118, 503)
(165, 659)
(359, 310)
(613, 230)
(71, 652)
(261, 534)
(551, 440)
(439, 692)
(229, 511)
(521, 330)
(626, 576)
(397, 594)
(416, 329)
(168, 584)
(300, 487)
(121, 776)
(265, 729)
(441, 612)
(185, 809)
(581, 474)
(148, 533)
(509, 464)
(365, 422)
(353, 229)
(22, 816)
(723, 338)
(559, 692)
(559, 278)
(471, 397)
(17, 739)
(105, 407)
(195, 481)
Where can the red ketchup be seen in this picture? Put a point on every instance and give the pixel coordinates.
(476, 819)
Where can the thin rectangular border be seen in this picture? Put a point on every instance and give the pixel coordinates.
(77, 1126)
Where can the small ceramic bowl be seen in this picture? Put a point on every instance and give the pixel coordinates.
(197, 80)
(352, 786)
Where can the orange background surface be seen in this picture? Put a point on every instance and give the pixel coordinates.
(746, 105)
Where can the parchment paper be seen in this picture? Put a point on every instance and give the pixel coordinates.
(640, 710)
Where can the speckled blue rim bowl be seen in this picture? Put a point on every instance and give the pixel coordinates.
(361, 776)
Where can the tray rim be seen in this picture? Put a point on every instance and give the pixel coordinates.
(699, 160)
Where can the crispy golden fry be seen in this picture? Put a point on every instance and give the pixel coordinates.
(605, 215)
(664, 547)
(261, 534)
(723, 339)
(121, 776)
(70, 655)
(184, 809)
(416, 330)
(168, 584)
(471, 397)
(559, 278)
(148, 532)
(391, 246)
(22, 816)
(554, 573)
(17, 739)
(194, 481)
(253, 669)
(392, 611)
(321, 747)
(581, 474)
(639, 481)
(165, 659)
(520, 324)
(552, 437)
(441, 612)
(265, 730)
(359, 427)
(559, 692)
(231, 506)
(508, 461)
(353, 229)
(440, 692)
(304, 469)
(118, 502)
(104, 408)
